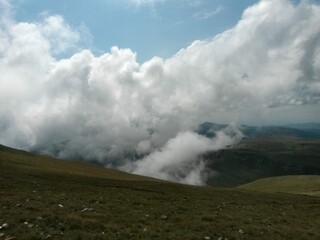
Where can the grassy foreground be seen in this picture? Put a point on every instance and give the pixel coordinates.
(43, 198)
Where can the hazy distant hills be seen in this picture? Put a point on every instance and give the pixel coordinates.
(265, 151)
(307, 130)
(304, 126)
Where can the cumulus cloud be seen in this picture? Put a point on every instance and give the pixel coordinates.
(111, 109)
(59, 34)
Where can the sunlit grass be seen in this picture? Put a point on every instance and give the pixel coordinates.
(309, 185)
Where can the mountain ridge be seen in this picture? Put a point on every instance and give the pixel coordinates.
(304, 131)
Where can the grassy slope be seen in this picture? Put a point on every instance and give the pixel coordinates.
(24, 161)
(125, 206)
(309, 185)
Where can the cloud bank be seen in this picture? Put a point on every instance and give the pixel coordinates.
(111, 109)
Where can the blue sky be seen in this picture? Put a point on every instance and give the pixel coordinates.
(150, 29)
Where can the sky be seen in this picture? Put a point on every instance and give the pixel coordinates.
(126, 83)
(149, 28)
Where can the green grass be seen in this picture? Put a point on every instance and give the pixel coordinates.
(309, 185)
(43, 198)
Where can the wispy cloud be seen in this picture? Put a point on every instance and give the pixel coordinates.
(195, 3)
(152, 4)
(203, 15)
(5, 8)
(146, 2)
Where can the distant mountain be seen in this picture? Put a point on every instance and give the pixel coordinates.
(304, 131)
(304, 126)
(275, 131)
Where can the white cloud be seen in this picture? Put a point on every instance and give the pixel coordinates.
(180, 159)
(5, 5)
(110, 108)
(60, 34)
(207, 14)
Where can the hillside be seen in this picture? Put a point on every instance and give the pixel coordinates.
(309, 185)
(252, 159)
(45, 198)
(264, 151)
(21, 161)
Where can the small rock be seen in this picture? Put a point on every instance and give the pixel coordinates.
(25, 223)
(18, 205)
(4, 226)
(60, 205)
(220, 238)
(48, 236)
(207, 238)
(1, 234)
(164, 217)
(87, 210)
(241, 231)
